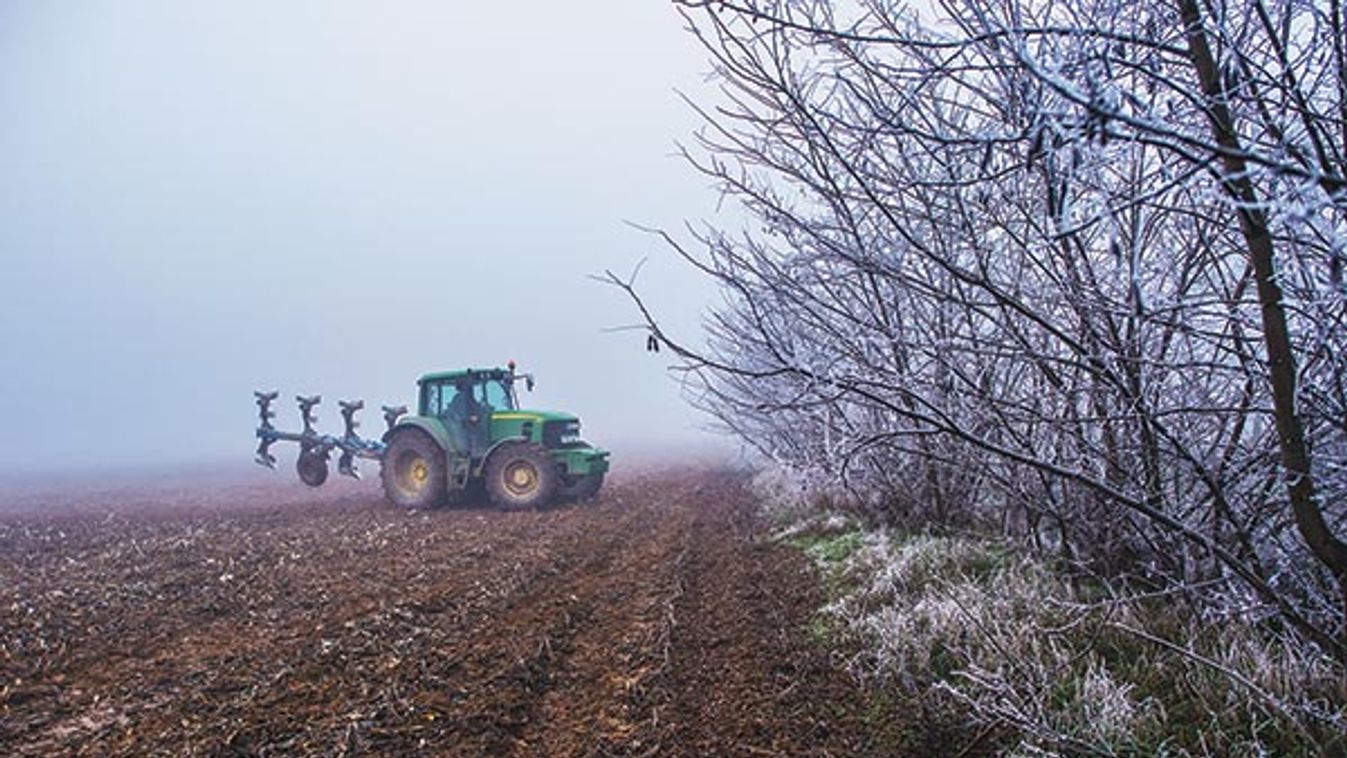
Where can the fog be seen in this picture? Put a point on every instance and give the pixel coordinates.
(197, 200)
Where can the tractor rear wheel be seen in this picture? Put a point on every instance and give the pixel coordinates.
(522, 475)
(581, 487)
(311, 467)
(412, 470)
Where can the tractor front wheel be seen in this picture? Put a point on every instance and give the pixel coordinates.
(413, 470)
(522, 475)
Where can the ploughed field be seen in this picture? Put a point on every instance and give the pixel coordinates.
(267, 619)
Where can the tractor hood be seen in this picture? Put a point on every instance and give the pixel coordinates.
(532, 415)
(548, 428)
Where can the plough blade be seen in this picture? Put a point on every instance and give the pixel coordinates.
(346, 464)
(264, 400)
(392, 413)
(306, 405)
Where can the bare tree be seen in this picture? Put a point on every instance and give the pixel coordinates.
(1068, 269)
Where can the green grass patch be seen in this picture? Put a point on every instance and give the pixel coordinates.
(830, 553)
(829, 549)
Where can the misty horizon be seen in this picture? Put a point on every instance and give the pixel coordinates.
(199, 202)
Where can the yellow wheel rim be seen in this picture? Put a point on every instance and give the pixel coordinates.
(414, 474)
(521, 478)
(420, 472)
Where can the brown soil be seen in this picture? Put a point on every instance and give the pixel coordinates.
(258, 621)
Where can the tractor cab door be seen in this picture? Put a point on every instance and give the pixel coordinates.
(479, 422)
(466, 417)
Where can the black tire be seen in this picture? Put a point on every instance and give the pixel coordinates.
(311, 467)
(522, 475)
(412, 470)
(581, 488)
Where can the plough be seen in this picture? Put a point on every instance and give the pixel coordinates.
(316, 449)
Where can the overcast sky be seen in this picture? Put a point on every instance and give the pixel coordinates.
(199, 199)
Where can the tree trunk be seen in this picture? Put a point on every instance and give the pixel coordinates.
(1295, 455)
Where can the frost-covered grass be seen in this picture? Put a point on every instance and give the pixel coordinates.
(987, 628)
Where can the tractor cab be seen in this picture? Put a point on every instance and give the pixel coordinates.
(464, 402)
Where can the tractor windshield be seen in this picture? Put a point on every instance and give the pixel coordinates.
(497, 395)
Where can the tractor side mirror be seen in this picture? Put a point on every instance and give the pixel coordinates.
(528, 382)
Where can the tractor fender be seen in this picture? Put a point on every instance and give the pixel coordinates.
(430, 425)
(496, 445)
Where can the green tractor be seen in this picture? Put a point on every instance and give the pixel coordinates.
(468, 435)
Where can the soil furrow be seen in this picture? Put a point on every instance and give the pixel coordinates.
(649, 624)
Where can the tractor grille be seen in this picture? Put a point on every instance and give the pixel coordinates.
(559, 433)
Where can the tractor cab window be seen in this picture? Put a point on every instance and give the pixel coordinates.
(496, 394)
(430, 399)
(450, 399)
(458, 401)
